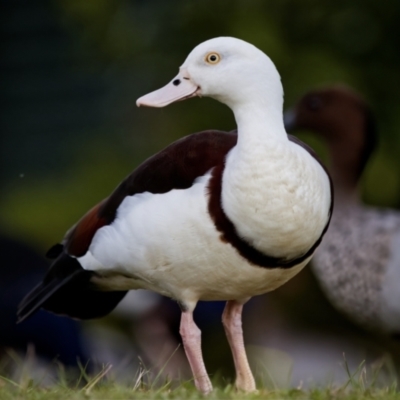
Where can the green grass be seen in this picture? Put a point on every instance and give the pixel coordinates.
(115, 391)
(359, 386)
(375, 381)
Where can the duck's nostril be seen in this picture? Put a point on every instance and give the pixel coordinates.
(176, 82)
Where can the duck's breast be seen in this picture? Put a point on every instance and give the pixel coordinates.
(278, 197)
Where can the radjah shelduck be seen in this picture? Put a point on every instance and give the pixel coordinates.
(214, 216)
(358, 263)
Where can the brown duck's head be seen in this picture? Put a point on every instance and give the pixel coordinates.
(343, 119)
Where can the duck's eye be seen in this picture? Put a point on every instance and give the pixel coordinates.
(213, 58)
(314, 103)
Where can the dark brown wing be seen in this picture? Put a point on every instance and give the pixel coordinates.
(175, 167)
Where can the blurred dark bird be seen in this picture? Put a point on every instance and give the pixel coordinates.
(53, 337)
(358, 262)
(214, 216)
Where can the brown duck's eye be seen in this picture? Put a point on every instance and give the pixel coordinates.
(314, 103)
(213, 58)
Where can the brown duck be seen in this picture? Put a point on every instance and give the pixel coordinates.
(358, 262)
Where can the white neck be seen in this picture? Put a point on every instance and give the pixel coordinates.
(260, 123)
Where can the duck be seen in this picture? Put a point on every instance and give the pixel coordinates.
(213, 216)
(358, 262)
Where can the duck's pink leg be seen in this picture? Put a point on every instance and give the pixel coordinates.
(232, 320)
(191, 337)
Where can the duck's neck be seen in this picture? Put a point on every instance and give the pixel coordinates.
(346, 198)
(350, 146)
(348, 156)
(259, 124)
(345, 174)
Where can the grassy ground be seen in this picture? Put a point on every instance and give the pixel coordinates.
(101, 387)
(185, 391)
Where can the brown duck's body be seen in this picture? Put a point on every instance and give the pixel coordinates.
(358, 262)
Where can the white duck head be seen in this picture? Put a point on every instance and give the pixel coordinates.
(227, 69)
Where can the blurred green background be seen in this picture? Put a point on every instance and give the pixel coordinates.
(71, 70)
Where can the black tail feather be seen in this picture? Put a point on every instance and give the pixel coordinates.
(67, 290)
(35, 299)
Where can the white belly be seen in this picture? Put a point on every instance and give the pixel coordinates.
(169, 244)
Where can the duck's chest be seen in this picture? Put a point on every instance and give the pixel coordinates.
(279, 200)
